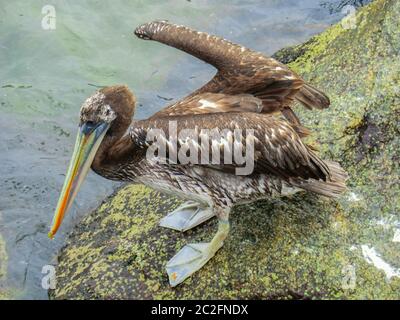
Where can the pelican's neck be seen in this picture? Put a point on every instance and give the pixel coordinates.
(113, 151)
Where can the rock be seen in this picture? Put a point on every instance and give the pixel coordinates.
(290, 54)
(298, 247)
(4, 291)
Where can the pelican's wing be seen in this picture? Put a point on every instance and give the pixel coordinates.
(278, 149)
(204, 103)
(240, 70)
(213, 103)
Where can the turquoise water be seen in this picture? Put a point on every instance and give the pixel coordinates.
(47, 74)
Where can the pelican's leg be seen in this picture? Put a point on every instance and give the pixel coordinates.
(194, 256)
(187, 216)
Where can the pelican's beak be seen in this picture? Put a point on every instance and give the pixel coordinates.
(87, 142)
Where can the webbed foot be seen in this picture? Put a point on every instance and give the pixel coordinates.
(188, 260)
(187, 216)
(194, 256)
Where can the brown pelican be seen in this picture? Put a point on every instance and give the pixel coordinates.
(246, 93)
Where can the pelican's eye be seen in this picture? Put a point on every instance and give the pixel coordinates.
(88, 127)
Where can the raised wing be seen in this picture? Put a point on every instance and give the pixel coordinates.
(240, 70)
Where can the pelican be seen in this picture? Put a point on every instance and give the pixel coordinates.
(251, 94)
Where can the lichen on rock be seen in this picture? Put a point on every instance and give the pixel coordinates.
(4, 291)
(302, 246)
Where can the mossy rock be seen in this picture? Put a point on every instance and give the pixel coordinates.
(5, 291)
(303, 246)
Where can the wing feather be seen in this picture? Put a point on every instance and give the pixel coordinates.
(240, 70)
(278, 149)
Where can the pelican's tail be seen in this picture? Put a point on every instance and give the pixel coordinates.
(332, 187)
(311, 97)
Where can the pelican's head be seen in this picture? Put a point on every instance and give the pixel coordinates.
(96, 110)
(107, 113)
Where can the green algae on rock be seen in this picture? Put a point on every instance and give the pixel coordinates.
(3, 266)
(4, 292)
(303, 246)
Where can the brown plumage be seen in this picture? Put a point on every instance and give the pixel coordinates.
(278, 149)
(240, 71)
(228, 115)
(244, 93)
